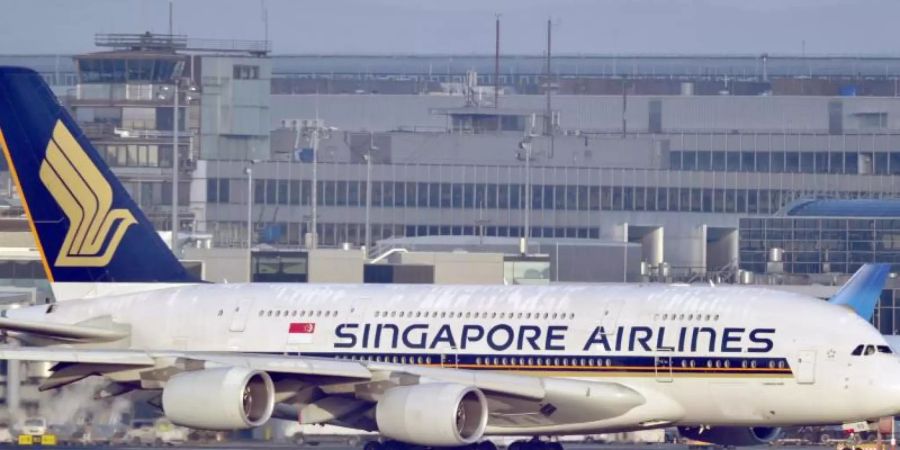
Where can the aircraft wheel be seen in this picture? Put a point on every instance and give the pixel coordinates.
(520, 445)
(373, 445)
(485, 445)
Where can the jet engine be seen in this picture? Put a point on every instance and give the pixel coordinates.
(736, 436)
(227, 398)
(433, 414)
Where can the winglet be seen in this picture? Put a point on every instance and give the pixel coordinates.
(862, 291)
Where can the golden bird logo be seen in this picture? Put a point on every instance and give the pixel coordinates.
(85, 196)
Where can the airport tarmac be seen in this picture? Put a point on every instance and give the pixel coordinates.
(263, 445)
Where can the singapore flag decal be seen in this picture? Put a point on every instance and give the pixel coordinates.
(301, 332)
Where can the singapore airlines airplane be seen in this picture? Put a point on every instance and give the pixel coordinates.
(436, 366)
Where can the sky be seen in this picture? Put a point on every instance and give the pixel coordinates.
(855, 27)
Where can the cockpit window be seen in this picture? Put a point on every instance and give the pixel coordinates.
(867, 350)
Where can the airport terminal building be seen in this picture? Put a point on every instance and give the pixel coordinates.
(701, 164)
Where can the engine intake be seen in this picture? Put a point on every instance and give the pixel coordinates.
(434, 414)
(736, 436)
(227, 398)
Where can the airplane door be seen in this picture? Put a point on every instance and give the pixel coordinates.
(806, 367)
(240, 313)
(662, 362)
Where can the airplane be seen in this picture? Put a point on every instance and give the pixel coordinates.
(423, 365)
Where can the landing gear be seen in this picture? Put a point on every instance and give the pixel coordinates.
(485, 445)
(397, 445)
(535, 444)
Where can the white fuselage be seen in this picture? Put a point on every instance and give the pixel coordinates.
(708, 355)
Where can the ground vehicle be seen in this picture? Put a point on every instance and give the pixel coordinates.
(5, 434)
(36, 426)
(155, 432)
(317, 434)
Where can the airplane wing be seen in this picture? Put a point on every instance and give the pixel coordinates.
(320, 390)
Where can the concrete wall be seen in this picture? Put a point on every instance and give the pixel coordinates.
(336, 266)
(220, 264)
(459, 268)
(234, 112)
(579, 263)
(596, 112)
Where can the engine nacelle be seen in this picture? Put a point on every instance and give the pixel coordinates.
(736, 436)
(433, 414)
(227, 398)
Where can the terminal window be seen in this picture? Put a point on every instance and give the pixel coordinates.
(245, 72)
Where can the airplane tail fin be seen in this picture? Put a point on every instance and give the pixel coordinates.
(86, 226)
(862, 291)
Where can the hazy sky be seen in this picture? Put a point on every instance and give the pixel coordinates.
(467, 26)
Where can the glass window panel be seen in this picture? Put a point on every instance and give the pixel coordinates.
(836, 164)
(792, 162)
(718, 160)
(748, 162)
(704, 160)
(689, 160)
(763, 160)
(880, 163)
(851, 163)
(777, 162)
(733, 161)
(675, 160)
(821, 162)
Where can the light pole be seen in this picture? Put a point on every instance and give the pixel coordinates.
(175, 171)
(176, 160)
(527, 147)
(368, 157)
(249, 172)
(314, 242)
(315, 132)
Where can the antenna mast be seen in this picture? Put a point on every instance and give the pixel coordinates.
(548, 121)
(497, 65)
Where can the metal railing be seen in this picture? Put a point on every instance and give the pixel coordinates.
(147, 41)
(173, 42)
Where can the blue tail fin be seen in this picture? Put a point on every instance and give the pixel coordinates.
(86, 226)
(862, 291)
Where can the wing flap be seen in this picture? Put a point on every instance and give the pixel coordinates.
(64, 355)
(516, 385)
(297, 365)
(62, 331)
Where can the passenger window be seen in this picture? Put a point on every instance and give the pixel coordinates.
(884, 349)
